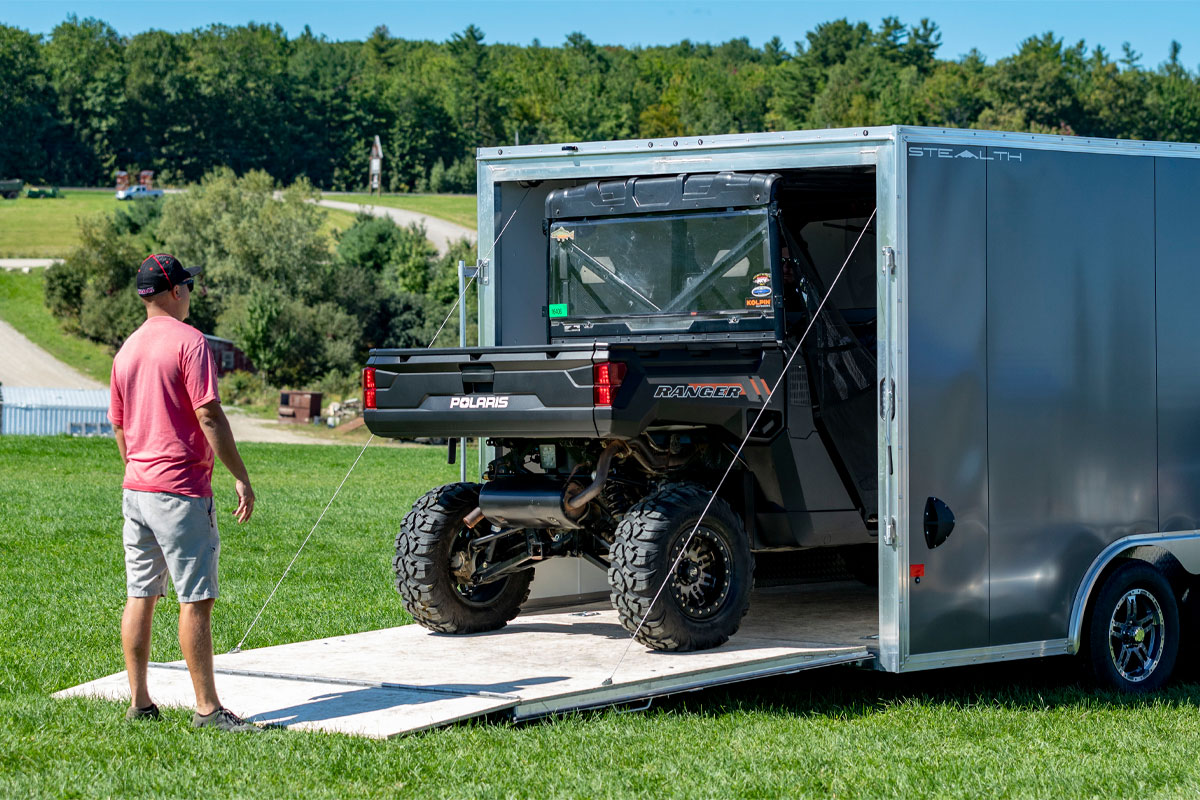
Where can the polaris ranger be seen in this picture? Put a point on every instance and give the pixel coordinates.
(674, 304)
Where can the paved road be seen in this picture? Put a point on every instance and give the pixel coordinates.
(23, 363)
(27, 263)
(439, 231)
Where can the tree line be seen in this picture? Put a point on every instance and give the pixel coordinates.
(84, 101)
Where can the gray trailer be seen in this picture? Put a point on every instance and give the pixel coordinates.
(1034, 425)
(1038, 391)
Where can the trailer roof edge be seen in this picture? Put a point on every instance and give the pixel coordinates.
(877, 134)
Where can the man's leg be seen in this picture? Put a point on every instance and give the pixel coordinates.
(195, 639)
(135, 641)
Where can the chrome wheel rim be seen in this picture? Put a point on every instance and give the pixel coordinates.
(701, 577)
(1136, 635)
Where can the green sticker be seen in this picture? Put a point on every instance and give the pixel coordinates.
(558, 310)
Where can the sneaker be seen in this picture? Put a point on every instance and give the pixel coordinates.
(149, 712)
(223, 720)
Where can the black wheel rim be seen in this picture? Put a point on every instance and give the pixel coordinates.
(700, 581)
(1135, 635)
(473, 594)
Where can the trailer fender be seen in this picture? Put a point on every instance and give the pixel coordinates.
(1177, 554)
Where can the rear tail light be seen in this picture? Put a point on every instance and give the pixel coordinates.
(606, 379)
(368, 385)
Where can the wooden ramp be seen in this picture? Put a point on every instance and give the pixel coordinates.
(400, 680)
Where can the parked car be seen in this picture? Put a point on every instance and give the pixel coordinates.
(138, 192)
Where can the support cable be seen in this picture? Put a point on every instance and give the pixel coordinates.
(238, 648)
(737, 455)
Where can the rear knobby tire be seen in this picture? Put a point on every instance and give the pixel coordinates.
(1133, 633)
(708, 593)
(432, 595)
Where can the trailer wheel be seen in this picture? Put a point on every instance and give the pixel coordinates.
(708, 592)
(431, 541)
(1133, 636)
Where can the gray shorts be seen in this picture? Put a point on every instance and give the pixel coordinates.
(175, 534)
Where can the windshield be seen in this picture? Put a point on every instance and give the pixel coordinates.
(662, 272)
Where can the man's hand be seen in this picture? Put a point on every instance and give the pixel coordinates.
(245, 506)
(216, 429)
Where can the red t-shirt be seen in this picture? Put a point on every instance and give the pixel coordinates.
(162, 374)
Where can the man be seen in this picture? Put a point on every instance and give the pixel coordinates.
(168, 421)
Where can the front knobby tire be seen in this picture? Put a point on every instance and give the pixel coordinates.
(429, 539)
(1133, 634)
(706, 594)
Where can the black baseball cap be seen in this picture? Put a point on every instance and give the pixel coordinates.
(162, 271)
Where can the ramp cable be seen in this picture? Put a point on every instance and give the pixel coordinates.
(737, 455)
(238, 647)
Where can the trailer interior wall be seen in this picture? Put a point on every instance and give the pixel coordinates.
(1051, 381)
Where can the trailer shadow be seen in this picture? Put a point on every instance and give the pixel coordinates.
(849, 693)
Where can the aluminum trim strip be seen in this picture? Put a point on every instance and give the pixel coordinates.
(1088, 584)
(987, 655)
(738, 141)
(616, 695)
(1044, 141)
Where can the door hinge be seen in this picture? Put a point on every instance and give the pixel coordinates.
(887, 399)
(889, 532)
(889, 261)
(483, 272)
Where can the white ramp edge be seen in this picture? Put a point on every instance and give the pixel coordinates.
(402, 680)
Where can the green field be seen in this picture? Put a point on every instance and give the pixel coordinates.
(23, 307)
(47, 228)
(1023, 730)
(457, 208)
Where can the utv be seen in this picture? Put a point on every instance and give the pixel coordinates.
(674, 305)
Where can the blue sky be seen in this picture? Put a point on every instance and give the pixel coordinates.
(995, 27)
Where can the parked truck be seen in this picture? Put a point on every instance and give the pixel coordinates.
(962, 359)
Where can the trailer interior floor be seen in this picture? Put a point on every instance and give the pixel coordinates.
(399, 680)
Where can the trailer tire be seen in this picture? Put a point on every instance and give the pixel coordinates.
(432, 595)
(687, 615)
(1133, 633)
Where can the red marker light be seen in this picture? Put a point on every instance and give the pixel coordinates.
(606, 377)
(368, 382)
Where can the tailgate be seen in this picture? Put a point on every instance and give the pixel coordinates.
(532, 391)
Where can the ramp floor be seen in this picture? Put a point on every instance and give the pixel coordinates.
(399, 680)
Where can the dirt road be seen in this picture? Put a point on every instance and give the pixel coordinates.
(23, 363)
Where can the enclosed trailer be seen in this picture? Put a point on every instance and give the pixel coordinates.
(1031, 443)
(1037, 389)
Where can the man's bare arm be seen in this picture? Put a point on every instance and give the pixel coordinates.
(216, 429)
(119, 434)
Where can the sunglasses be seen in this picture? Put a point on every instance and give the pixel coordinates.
(190, 283)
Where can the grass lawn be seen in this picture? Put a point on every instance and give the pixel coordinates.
(1023, 730)
(336, 222)
(47, 228)
(22, 306)
(458, 208)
